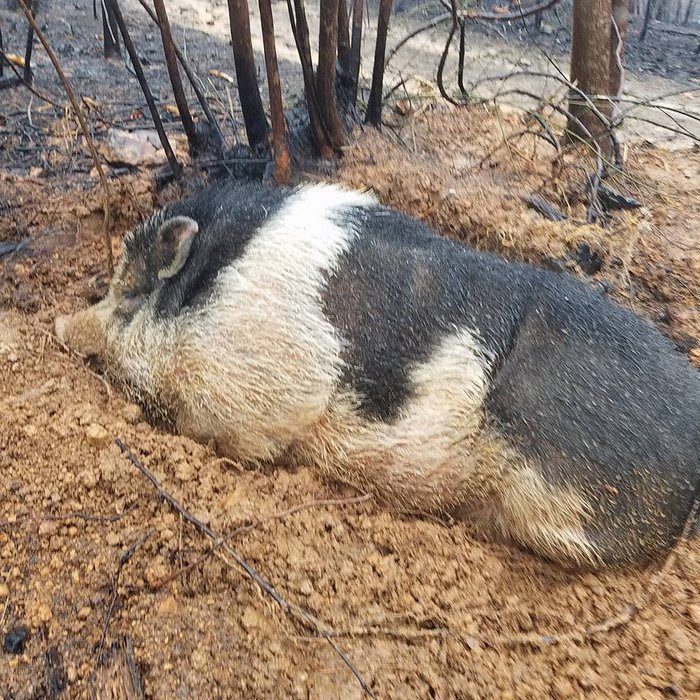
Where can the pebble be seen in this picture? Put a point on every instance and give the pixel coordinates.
(4, 591)
(306, 587)
(97, 435)
(84, 613)
(44, 613)
(168, 606)
(132, 413)
(562, 689)
(677, 645)
(113, 539)
(694, 612)
(250, 619)
(15, 641)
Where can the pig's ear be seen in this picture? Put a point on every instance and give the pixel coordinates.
(173, 244)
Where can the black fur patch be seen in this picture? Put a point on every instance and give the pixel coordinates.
(400, 289)
(598, 397)
(228, 215)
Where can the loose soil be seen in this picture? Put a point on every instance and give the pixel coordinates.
(91, 557)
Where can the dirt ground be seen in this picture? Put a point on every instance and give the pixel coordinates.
(92, 560)
(420, 608)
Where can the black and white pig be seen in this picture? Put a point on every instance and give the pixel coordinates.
(316, 325)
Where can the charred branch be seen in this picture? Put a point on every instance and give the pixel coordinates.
(374, 105)
(192, 78)
(138, 69)
(110, 32)
(355, 49)
(620, 18)
(256, 126)
(31, 6)
(280, 151)
(175, 80)
(343, 35)
(325, 76)
(83, 127)
(300, 29)
(590, 66)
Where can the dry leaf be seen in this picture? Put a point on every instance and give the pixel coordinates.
(14, 59)
(93, 104)
(172, 109)
(220, 74)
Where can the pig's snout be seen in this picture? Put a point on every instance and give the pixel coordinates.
(82, 332)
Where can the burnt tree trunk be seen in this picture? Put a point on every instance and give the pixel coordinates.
(355, 48)
(590, 70)
(343, 35)
(618, 38)
(325, 74)
(647, 19)
(280, 152)
(174, 73)
(256, 126)
(688, 12)
(374, 104)
(143, 83)
(110, 32)
(300, 29)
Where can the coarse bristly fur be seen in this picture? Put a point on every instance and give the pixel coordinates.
(315, 324)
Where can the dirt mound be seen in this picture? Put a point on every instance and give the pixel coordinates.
(90, 555)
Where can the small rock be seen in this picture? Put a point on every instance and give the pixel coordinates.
(168, 606)
(250, 619)
(113, 539)
(562, 689)
(48, 527)
(44, 613)
(678, 645)
(693, 612)
(133, 148)
(199, 659)
(84, 613)
(97, 435)
(132, 413)
(4, 591)
(89, 477)
(184, 472)
(306, 587)
(15, 640)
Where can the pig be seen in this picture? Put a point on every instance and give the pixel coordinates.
(314, 326)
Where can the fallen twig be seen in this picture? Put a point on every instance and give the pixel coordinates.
(298, 613)
(244, 529)
(123, 560)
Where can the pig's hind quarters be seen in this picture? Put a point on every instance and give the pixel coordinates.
(595, 399)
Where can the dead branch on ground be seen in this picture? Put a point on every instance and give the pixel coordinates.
(125, 558)
(470, 15)
(244, 529)
(295, 612)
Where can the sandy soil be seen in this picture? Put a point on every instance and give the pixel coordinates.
(90, 555)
